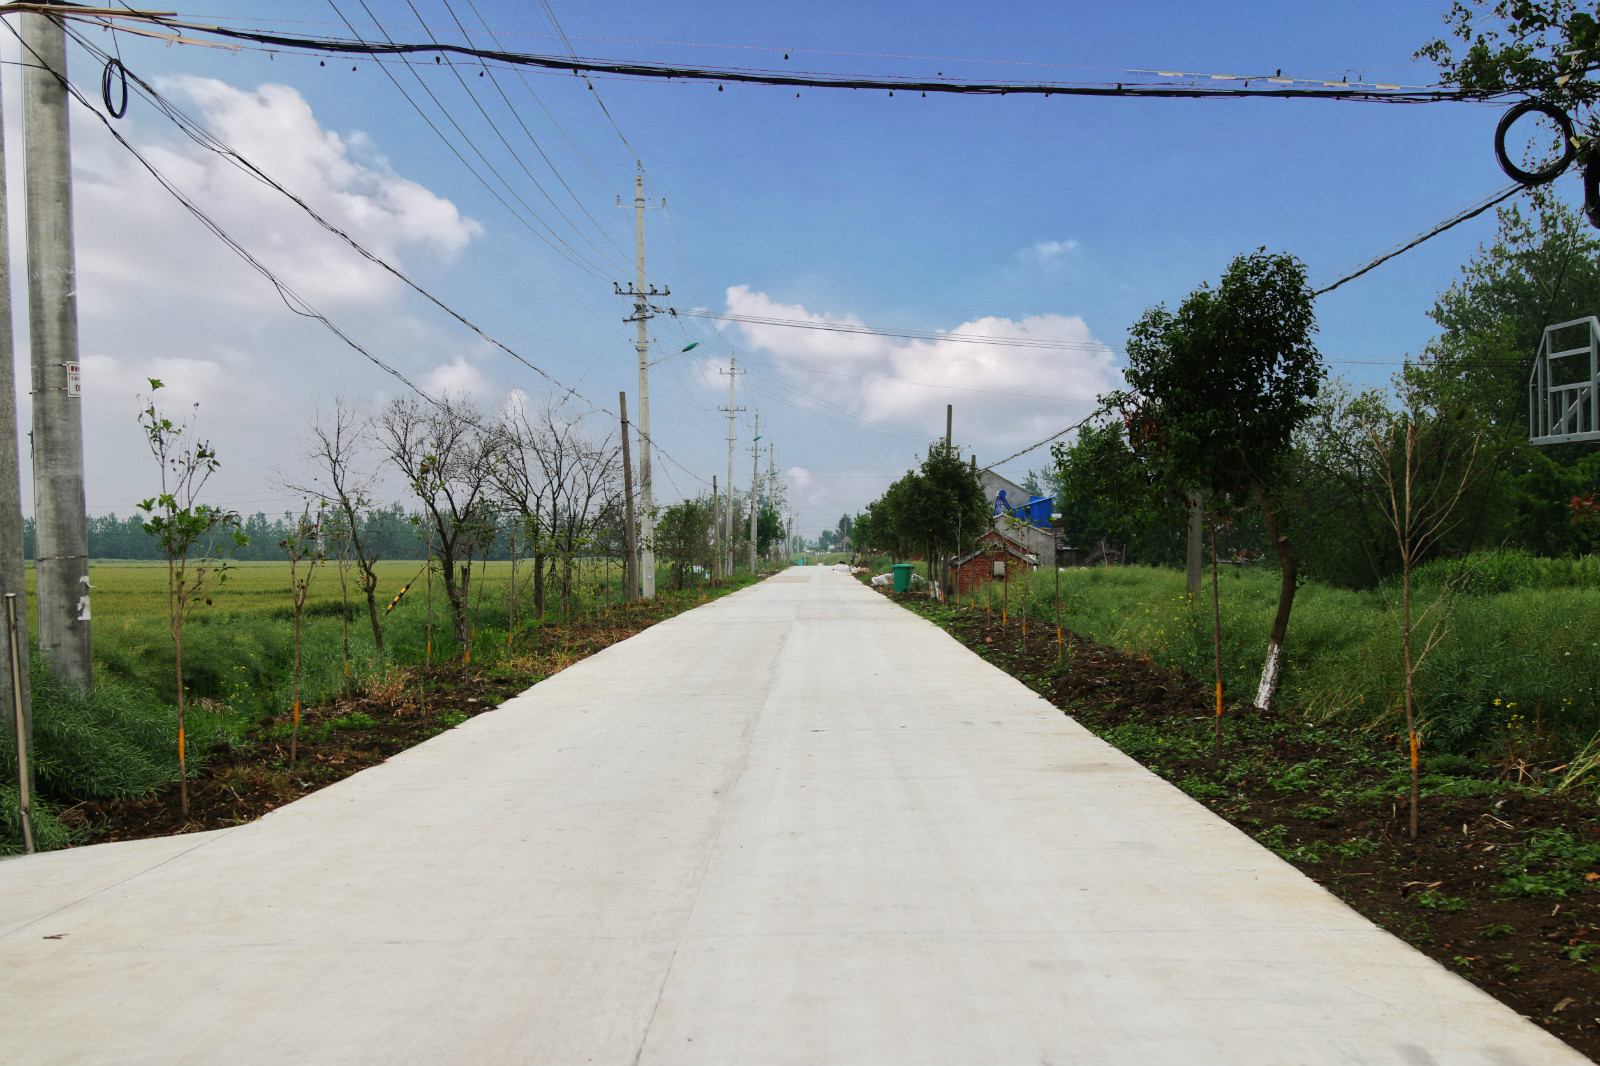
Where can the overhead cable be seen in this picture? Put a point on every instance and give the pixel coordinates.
(1472, 211)
(1266, 88)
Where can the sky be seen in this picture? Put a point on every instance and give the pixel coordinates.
(1055, 221)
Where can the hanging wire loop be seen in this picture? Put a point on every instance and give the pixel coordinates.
(114, 70)
(1550, 171)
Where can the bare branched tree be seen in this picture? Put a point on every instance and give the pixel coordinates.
(1426, 461)
(564, 486)
(339, 453)
(447, 456)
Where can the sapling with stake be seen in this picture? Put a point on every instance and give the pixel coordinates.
(1426, 462)
(196, 538)
(303, 548)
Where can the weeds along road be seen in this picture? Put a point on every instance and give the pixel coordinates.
(796, 825)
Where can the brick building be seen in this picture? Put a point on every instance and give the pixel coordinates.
(976, 568)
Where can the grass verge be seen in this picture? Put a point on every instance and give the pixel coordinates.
(106, 762)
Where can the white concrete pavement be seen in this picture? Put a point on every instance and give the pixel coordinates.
(797, 825)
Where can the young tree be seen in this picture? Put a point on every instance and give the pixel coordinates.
(337, 450)
(1420, 510)
(1217, 392)
(195, 537)
(447, 457)
(683, 535)
(303, 549)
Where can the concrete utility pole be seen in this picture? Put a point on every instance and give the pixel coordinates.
(733, 371)
(11, 562)
(631, 565)
(755, 488)
(949, 422)
(642, 315)
(61, 531)
(772, 483)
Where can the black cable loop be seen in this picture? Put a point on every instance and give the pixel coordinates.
(114, 68)
(1550, 171)
(1591, 182)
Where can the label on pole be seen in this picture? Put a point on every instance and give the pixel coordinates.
(74, 385)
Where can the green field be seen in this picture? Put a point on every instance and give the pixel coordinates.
(122, 590)
(119, 739)
(1518, 667)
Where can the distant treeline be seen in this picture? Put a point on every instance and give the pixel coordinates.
(394, 531)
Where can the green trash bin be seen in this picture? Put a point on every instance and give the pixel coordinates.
(902, 577)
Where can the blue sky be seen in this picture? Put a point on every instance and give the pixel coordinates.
(1058, 219)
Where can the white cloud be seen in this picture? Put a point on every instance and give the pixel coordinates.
(1049, 253)
(1005, 396)
(159, 296)
(457, 378)
(134, 240)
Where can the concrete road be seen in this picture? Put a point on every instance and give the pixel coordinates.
(798, 825)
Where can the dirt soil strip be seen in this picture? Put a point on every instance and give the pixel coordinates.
(1500, 886)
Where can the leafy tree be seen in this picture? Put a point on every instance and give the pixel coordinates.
(769, 530)
(1337, 480)
(683, 536)
(1545, 49)
(1108, 491)
(1543, 268)
(186, 530)
(938, 509)
(1218, 390)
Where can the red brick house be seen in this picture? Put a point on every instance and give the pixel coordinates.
(973, 570)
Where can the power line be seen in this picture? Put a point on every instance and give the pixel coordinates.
(570, 254)
(578, 66)
(1471, 211)
(1054, 436)
(292, 299)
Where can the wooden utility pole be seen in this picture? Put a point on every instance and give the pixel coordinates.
(61, 528)
(630, 567)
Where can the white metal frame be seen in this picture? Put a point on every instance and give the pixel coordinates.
(1570, 412)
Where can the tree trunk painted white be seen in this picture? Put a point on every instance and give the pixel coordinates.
(1268, 691)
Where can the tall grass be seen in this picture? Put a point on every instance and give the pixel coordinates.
(1519, 666)
(120, 739)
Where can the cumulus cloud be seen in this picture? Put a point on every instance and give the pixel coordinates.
(160, 297)
(1049, 253)
(132, 243)
(458, 378)
(1005, 395)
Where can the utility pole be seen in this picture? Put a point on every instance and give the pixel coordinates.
(755, 489)
(772, 483)
(630, 569)
(642, 315)
(733, 371)
(11, 559)
(61, 532)
(949, 421)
